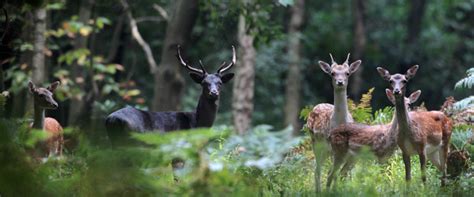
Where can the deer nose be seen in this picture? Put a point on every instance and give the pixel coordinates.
(396, 91)
(339, 83)
(214, 93)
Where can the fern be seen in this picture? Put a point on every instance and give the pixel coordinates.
(466, 82)
(362, 112)
(383, 116)
(464, 104)
(304, 113)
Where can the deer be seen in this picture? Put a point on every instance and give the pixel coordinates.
(347, 140)
(424, 133)
(121, 122)
(325, 116)
(43, 100)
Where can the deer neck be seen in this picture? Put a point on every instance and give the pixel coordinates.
(206, 111)
(341, 110)
(402, 117)
(38, 122)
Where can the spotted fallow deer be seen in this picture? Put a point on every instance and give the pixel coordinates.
(325, 116)
(43, 99)
(425, 133)
(129, 119)
(347, 140)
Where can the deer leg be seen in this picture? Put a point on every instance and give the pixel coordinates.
(347, 166)
(443, 155)
(406, 161)
(320, 151)
(338, 161)
(423, 165)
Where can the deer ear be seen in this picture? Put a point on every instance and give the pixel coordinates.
(390, 96)
(411, 72)
(325, 67)
(196, 77)
(384, 73)
(414, 96)
(227, 77)
(354, 66)
(31, 87)
(53, 86)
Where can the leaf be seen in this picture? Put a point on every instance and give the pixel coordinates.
(286, 2)
(85, 31)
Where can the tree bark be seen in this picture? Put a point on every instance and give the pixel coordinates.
(414, 20)
(169, 82)
(360, 40)
(243, 90)
(39, 44)
(78, 74)
(293, 80)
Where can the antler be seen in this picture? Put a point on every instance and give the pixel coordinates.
(347, 59)
(224, 68)
(183, 63)
(332, 59)
(202, 66)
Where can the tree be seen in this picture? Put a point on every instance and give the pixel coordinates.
(414, 20)
(169, 83)
(78, 74)
(39, 41)
(359, 42)
(293, 79)
(243, 90)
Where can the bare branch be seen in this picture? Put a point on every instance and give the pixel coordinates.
(138, 37)
(162, 11)
(149, 18)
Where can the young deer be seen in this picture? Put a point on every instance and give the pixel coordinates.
(423, 133)
(43, 99)
(348, 139)
(325, 116)
(120, 122)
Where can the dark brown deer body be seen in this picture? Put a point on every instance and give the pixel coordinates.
(325, 116)
(120, 122)
(426, 134)
(43, 99)
(347, 139)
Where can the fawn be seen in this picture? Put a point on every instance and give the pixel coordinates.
(43, 99)
(347, 139)
(423, 133)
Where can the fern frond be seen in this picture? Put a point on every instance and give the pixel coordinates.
(464, 104)
(466, 82)
(366, 98)
(304, 113)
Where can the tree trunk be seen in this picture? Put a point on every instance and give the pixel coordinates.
(293, 80)
(414, 20)
(169, 82)
(78, 74)
(243, 90)
(358, 10)
(39, 41)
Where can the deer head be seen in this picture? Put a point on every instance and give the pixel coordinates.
(43, 97)
(211, 83)
(340, 72)
(408, 100)
(398, 81)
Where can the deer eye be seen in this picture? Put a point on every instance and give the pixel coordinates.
(404, 81)
(391, 81)
(332, 73)
(347, 73)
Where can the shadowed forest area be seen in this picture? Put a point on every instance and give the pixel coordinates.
(66, 66)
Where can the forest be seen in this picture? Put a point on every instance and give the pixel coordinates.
(236, 98)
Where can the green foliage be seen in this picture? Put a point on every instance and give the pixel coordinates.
(362, 112)
(468, 81)
(260, 148)
(304, 113)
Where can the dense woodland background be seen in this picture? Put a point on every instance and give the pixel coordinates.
(112, 53)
